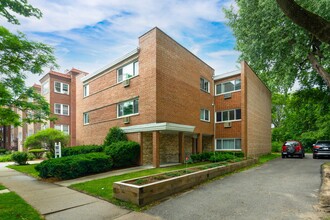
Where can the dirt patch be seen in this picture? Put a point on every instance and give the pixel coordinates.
(325, 188)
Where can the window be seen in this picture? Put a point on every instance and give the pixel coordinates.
(228, 144)
(229, 86)
(63, 128)
(86, 90)
(229, 115)
(45, 88)
(86, 118)
(61, 88)
(61, 109)
(128, 71)
(204, 85)
(205, 115)
(128, 108)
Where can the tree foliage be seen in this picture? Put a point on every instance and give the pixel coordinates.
(275, 47)
(46, 139)
(19, 57)
(114, 135)
(306, 117)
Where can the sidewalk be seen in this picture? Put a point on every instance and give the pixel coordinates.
(58, 202)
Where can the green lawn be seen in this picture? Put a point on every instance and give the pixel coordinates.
(5, 158)
(27, 169)
(103, 187)
(2, 187)
(14, 207)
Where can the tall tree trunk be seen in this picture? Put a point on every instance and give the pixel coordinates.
(319, 69)
(311, 22)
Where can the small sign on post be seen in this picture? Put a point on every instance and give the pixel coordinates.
(58, 150)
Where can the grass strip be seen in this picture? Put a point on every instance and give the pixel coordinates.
(14, 207)
(27, 169)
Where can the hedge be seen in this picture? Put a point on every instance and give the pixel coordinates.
(124, 153)
(215, 156)
(83, 149)
(71, 167)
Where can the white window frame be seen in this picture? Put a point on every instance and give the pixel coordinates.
(86, 118)
(135, 112)
(227, 111)
(61, 128)
(61, 109)
(86, 90)
(202, 115)
(61, 88)
(135, 66)
(202, 84)
(226, 139)
(43, 90)
(222, 87)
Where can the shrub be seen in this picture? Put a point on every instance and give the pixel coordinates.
(71, 167)
(216, 156)
(3, 151)
(124, 153)
(46, 139)
(221, 157)
(20, 157)
(83, 149)
(38, 153)
(276, 146)
(114, 135)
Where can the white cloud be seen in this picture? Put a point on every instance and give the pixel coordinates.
(89, 34)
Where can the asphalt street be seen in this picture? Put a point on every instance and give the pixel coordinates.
(279, 189)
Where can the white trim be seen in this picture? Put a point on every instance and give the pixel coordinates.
(85, 113)
(85, 88)
(228, 74)
(61, 88)
(209, 115)
(111, 65)
(123, 116)
(134, 71)
(216, 141)
(221, 122)
(61, 108)
(226, 92)
(165, 126)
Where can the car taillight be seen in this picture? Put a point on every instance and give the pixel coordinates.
(298, 148)
(316, 147)
(284, 148)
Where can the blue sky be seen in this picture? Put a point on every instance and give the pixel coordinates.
(88, 35)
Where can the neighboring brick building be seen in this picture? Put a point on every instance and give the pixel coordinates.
(59, 89)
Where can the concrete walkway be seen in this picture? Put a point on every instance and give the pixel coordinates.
(58, 202)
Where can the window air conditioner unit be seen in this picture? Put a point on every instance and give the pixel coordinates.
(227, 95)
(126, 82)
(126, 120)
(227, 124)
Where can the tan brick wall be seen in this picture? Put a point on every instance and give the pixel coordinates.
(208, 144)
(179, 98)
(169, 148)
(258, 110)
(147, 148)
(188, 141)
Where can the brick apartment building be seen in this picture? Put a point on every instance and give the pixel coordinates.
(165, 98)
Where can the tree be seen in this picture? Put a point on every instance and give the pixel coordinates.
(18, 57)
(278, 109)
(306, 117)
(46, 139)
(276, 48)
(114, 135)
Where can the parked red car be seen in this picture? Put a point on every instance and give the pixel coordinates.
(293, 148)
